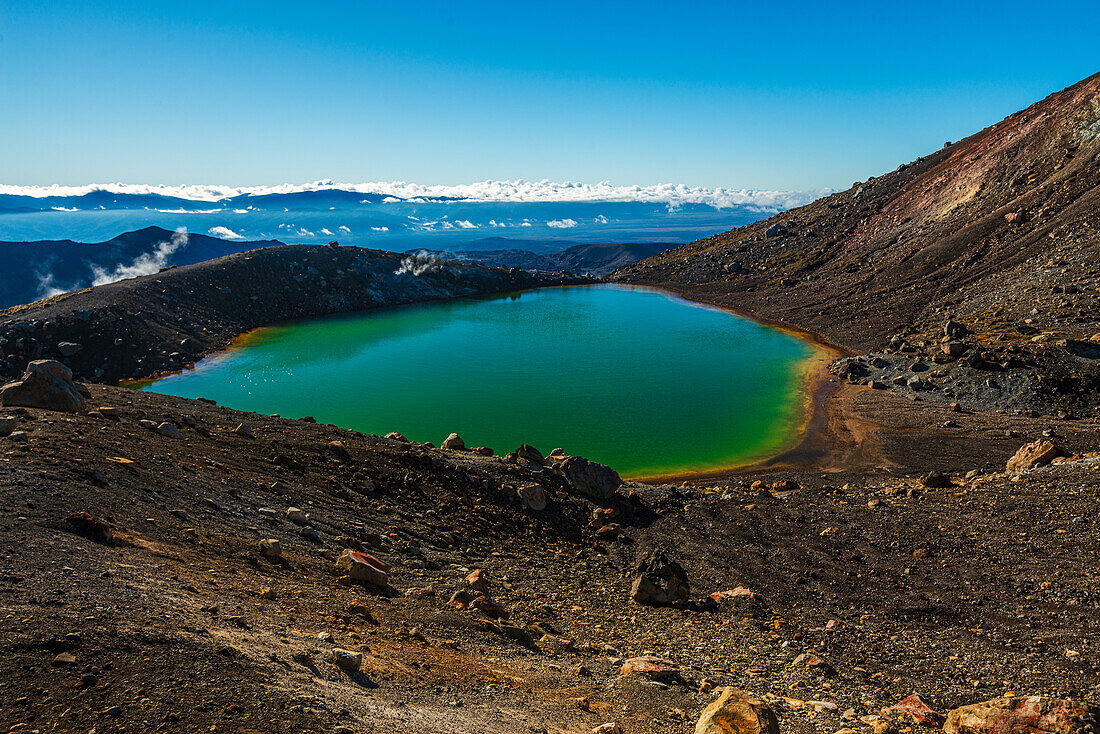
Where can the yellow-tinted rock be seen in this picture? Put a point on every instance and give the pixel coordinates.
(736, 712)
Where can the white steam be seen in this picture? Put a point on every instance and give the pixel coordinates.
(418, 265)
(47, 286)
(145, 264)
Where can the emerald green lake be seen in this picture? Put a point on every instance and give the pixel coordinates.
(640, 380)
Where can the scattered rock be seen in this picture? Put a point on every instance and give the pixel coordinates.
(395, 436)
(659, 580)
(533, 496)
(954, 330)
(454, 443)
(1036, 453)
(953, 349)
(364, 567)
(271, 548)
(169, 430)
(68, 349)
(347, 660)
(46, 384)
(917, 709)
(776, 230)
(735, 712)
(295, 515)
(477, 580)
(90, 527)
(936, 480)
(337, 449)
(651, 667)
(243, 430)
(530, 453)
(589, 478)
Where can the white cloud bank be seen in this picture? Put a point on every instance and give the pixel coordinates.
(225, 233)
(562, 223)
(146, 264)
(518, 191)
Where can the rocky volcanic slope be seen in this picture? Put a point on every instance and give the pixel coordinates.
(172, 565)
(599, 260)
(157, 323)
(998, 233)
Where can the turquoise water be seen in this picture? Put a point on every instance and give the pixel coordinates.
(634, 378)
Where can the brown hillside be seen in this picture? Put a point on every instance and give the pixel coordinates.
(989, 224)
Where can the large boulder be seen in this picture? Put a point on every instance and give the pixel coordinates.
(659, 580)
(736, 712)
(1036, 453)
(46, 384)
(1023, 715)
(589, 478)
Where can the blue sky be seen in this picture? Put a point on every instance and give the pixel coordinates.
(764, 95)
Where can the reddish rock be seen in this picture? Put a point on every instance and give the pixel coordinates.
(477, 580)
(916, 708)
(489, 607)
(651, 667)
(739, 592)
(364, 567)
(1022, 715)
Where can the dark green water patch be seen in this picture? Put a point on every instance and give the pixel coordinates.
(641, 380)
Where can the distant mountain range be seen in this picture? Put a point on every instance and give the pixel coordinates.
(35, 270)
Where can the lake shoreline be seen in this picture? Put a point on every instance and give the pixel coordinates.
(771, 417)
(802, 449)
